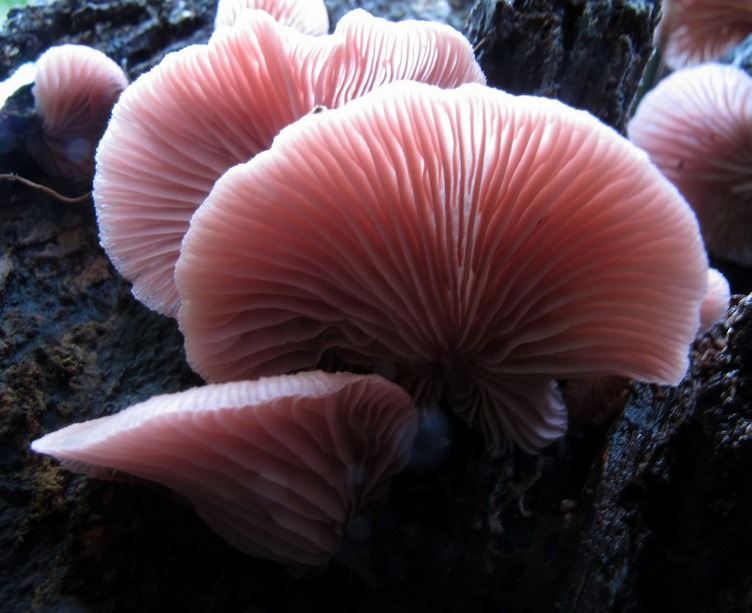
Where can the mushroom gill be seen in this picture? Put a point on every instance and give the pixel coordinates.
(483, 245)
(277, 466)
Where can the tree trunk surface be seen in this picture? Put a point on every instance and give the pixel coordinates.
(648, 512)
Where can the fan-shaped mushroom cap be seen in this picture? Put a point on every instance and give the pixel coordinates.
(307, 16)
(479, 242)
(716, 301)
(209, 107)
(697, 31)
(75, 88)
(696, 125)
(276, 466)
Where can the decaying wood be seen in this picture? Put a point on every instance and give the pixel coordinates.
(590, 55)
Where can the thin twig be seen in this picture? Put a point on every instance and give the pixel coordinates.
(46, 190)
(480, 45)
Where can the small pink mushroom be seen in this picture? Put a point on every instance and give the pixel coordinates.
(277, 467)
(696, 31)
(482, 244)
(716, 301)
(306, 16)
(75, 88)
(209, 107)
(696, 126)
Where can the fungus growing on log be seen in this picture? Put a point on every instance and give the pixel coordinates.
(277, 467)
(595, 399)
(697, 31)
(209, 107)
(306, 16)
(716, 301)
(75, 88)
(696, 126)
(481, 244)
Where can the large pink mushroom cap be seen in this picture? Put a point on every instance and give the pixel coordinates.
(696, 125)
(307, 16)
(481, 244)
(208, 107)
(75, 88)
(276, 466)
(697, 31)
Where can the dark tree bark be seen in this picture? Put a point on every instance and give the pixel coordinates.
(590, 55)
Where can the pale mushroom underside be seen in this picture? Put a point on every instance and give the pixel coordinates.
(75, 88)
(481, 244)
(696, 126)
(276, 466)
(178, 128)
(306, 16)
(693, 32)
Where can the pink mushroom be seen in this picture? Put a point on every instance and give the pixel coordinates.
(481, 244)
(697, 31)
(75, 88)
(209, 107)
(306, 16)
(696, 125)
(277, 467)
(595, 399)
(716, 301)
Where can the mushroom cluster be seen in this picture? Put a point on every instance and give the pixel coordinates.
(179, 127)
(362, 201)
(482, 245)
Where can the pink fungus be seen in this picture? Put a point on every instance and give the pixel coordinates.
(277, 467)
(75, 88)
(716, 301)
(178, 128)
(697, 31)
(306, 16)
(483, 245)
(696, 126)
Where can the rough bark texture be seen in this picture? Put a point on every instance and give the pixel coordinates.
(649, 512)
(671, 497)
(590, 55)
